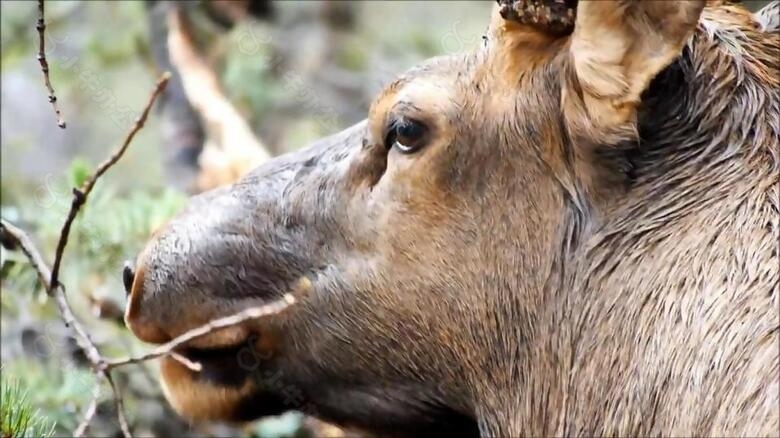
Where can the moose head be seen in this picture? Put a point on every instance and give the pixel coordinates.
(429, 245)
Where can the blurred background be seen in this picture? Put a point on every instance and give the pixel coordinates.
(251, 79)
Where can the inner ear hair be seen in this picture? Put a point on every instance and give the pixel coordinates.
(616, 49)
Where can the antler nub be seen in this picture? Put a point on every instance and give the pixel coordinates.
(556, 16)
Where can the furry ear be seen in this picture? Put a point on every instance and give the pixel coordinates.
(616, 49)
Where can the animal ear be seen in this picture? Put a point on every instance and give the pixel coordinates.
(616, 49)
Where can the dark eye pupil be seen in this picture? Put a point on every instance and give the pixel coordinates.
(409, 131)
(406, 135)
(409, 135)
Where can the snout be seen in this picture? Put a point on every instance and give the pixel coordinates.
(242, 245)
(196, 269)
(143, 318)
(145, 330)
(226, 252)
(193, 270)
(236, 247)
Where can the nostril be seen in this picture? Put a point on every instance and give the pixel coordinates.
(140, 322)
(128, 274)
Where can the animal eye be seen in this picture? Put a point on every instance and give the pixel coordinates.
(406, 135)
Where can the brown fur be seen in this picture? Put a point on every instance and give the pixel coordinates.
(588, 244)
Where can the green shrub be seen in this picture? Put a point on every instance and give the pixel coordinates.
(17, 417)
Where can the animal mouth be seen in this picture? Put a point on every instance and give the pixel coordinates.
(226, 365)
(205, 355)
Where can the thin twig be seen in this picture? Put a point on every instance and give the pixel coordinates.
(66, 313)
(41, 27)
(89, 413)
(80, 195)
(194, 366)
(58, 293)
(213, 325)
(102, 366)
(49, 278)
(119, 405)
(69, 318)
(12, 233)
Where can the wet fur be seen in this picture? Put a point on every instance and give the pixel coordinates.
(567, 284)
(673, 323)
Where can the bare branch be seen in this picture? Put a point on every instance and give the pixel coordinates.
(119, 405)
(14, 233)
(102, 365)
(15, 237)
(194, 366)
(80, 195)
(41, 27)
(57, 292)
(139, 123)
(11, 233)
(81, 429)
(213, 325)
(49, 278)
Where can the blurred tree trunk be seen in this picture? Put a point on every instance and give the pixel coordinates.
(182, 133)
(182, 130)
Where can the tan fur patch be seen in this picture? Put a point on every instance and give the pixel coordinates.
(198, 400)
(521, 47)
